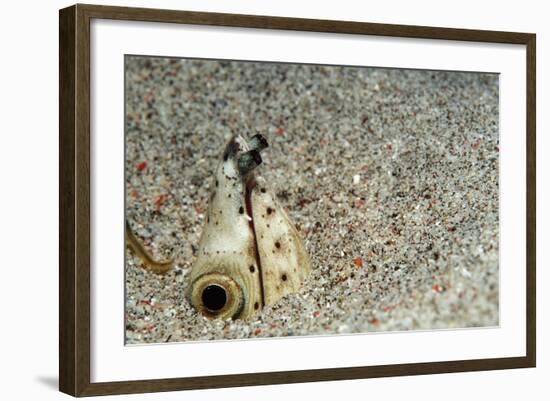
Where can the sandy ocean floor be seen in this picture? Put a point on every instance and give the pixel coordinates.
(391, 177)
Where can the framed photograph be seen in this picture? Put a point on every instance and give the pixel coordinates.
(251, 200)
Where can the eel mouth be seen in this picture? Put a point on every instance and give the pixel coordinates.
(250, 184)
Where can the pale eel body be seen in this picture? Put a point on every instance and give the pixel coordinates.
(250, 254)
(159, 267)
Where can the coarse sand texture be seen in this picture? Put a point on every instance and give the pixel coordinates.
(390, 177)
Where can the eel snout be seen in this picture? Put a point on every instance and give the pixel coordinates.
(246, 154)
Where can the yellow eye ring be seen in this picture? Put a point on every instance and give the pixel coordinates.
(216, 295)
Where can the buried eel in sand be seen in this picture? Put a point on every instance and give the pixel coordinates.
(250, 254)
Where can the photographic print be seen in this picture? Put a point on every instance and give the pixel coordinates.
(271, 199)
(354, 195)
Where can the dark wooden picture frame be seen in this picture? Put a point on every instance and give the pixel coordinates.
(74, 200)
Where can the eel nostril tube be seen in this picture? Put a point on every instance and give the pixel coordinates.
(214, 298)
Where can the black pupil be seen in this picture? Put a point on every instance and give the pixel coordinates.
(214, 297)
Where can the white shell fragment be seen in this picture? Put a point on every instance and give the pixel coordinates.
(250, 254)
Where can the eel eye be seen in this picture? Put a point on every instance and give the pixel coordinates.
(214, 298)
(217, 295)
